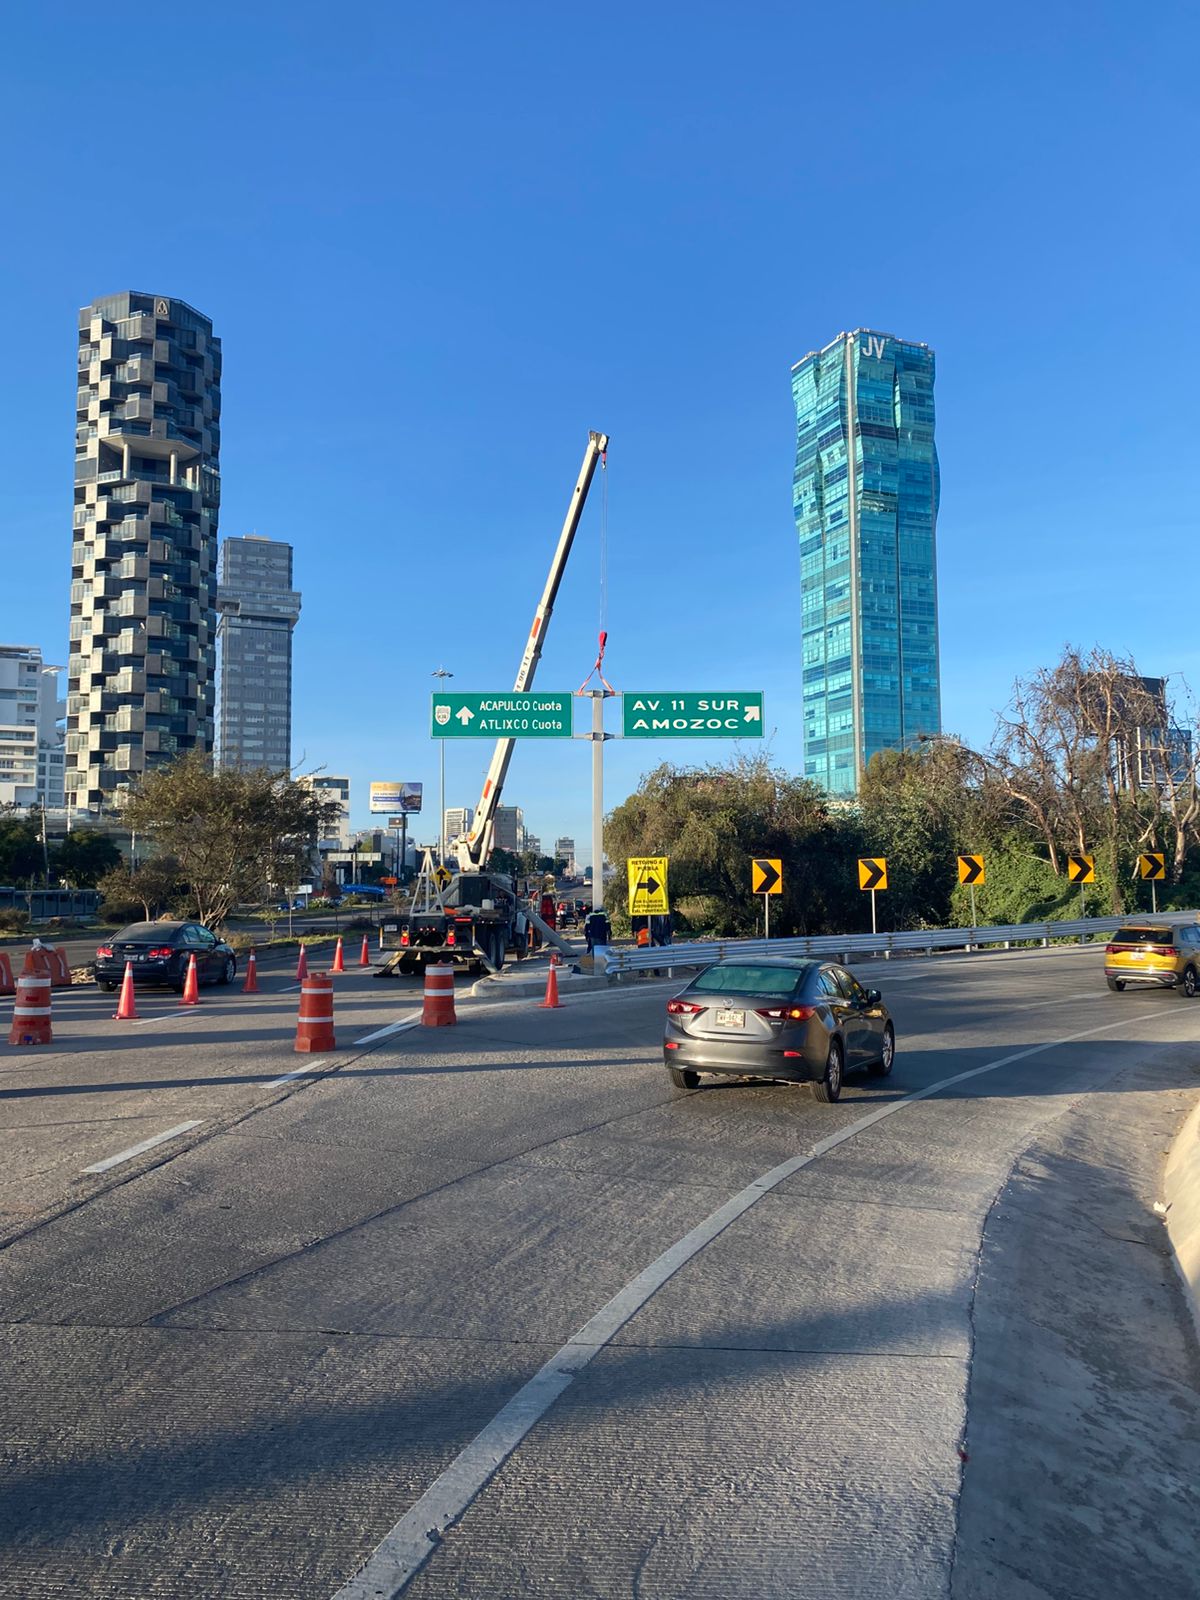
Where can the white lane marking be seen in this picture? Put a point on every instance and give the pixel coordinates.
(146, 1144)
(299, 1072)
(393, 1027)
(418, 1533)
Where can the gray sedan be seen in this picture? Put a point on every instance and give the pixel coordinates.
(774, 1017)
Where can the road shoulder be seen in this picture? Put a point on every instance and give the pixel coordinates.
(1083, 1416)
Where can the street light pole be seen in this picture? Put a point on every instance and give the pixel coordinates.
(441, 833)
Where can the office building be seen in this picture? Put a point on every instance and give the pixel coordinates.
(509, 829)
(143, 560)
(327, 787)
(564, 851)
(456, 822)
(258, 609)
(865, 496)
(31, 737)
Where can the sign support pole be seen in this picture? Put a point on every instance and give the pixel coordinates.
(766, 916)
(1153, 896)
(598, 697)
(404, 844)
(974, 924)
(874, 929)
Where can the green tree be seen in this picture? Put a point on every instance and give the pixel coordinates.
(712, 821)
(83, 857)
(233, 832)
(155, 885)
(21, 856)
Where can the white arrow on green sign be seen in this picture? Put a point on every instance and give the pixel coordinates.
(675, 714)
(502, 714)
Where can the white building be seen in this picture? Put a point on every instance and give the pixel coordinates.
(327, 787)
(509, 833)
(564, 850)
(456, 821)
(32, 754)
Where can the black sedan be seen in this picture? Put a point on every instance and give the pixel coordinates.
(159, 952)
(773, 1017)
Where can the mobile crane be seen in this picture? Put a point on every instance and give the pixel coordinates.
(477, 919)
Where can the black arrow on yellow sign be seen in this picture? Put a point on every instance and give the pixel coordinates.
(766, 875)
(872, 872)
(970, 869)
(1153, 865)
(1081, 869)
(648, 884)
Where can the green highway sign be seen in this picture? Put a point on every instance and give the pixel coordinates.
(503, 714)
(725, 714)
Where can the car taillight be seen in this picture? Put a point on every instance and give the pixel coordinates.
(161, 953)
(801, 1013)
(683, 1008)
(404, 936)
(1162, 950)
(792, 1013)
(104, 950)
(1110, 949)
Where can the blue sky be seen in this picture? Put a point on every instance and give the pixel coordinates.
(440, 243)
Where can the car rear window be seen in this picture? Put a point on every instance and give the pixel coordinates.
(136, 932)
(1137, 935)
(772, 982)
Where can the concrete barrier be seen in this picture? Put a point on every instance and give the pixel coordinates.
(1181, 1195)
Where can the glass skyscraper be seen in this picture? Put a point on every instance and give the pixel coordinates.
(259, 608)
(865, 496)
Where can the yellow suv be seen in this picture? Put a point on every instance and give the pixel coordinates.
(1152, 952)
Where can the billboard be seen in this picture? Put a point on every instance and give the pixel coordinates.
(405, 797)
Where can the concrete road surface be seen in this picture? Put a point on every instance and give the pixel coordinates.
(491, 1311)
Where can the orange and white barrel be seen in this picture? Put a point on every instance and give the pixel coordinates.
(314, 1027)
(31, 1010)
(438, 1010)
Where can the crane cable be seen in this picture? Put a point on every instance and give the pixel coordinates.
(598, 670)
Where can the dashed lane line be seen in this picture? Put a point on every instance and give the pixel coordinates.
(418, 1533)
(146, 1144)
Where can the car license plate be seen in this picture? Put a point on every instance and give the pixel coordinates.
(731, 1019)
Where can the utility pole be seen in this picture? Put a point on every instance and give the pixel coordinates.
(441, 833)
(597, 736)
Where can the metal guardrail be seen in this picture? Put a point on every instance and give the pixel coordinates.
(702, 953)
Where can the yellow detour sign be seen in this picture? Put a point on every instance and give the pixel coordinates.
(872, 872)
(647, 886)
(1081, 869)
(442, 875)
(1153, 865)
(970, 869)
(766, 875)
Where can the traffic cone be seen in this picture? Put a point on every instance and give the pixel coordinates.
(550, 1003)
(438, 1009)
(314, 1026)
(251, 984)
(126, 1006)
(364, 960)
(302, 965)
(191, 985)
(31, 1008)
(339, 964)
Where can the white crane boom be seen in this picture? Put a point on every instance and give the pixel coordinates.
(473, 850)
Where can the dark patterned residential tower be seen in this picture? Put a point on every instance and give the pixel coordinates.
(143, 557)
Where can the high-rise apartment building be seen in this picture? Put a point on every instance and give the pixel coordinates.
(509, 829)
(456, 822)
(258, 610)
(31, 740)
(337, 790)
(865, 496)
(564, 851)
(143, 560)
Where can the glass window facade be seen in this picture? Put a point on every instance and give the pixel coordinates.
(865, 498)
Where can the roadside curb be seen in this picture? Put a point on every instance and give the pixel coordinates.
(1181, 1195)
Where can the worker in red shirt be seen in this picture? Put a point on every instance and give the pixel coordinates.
(548, 912)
